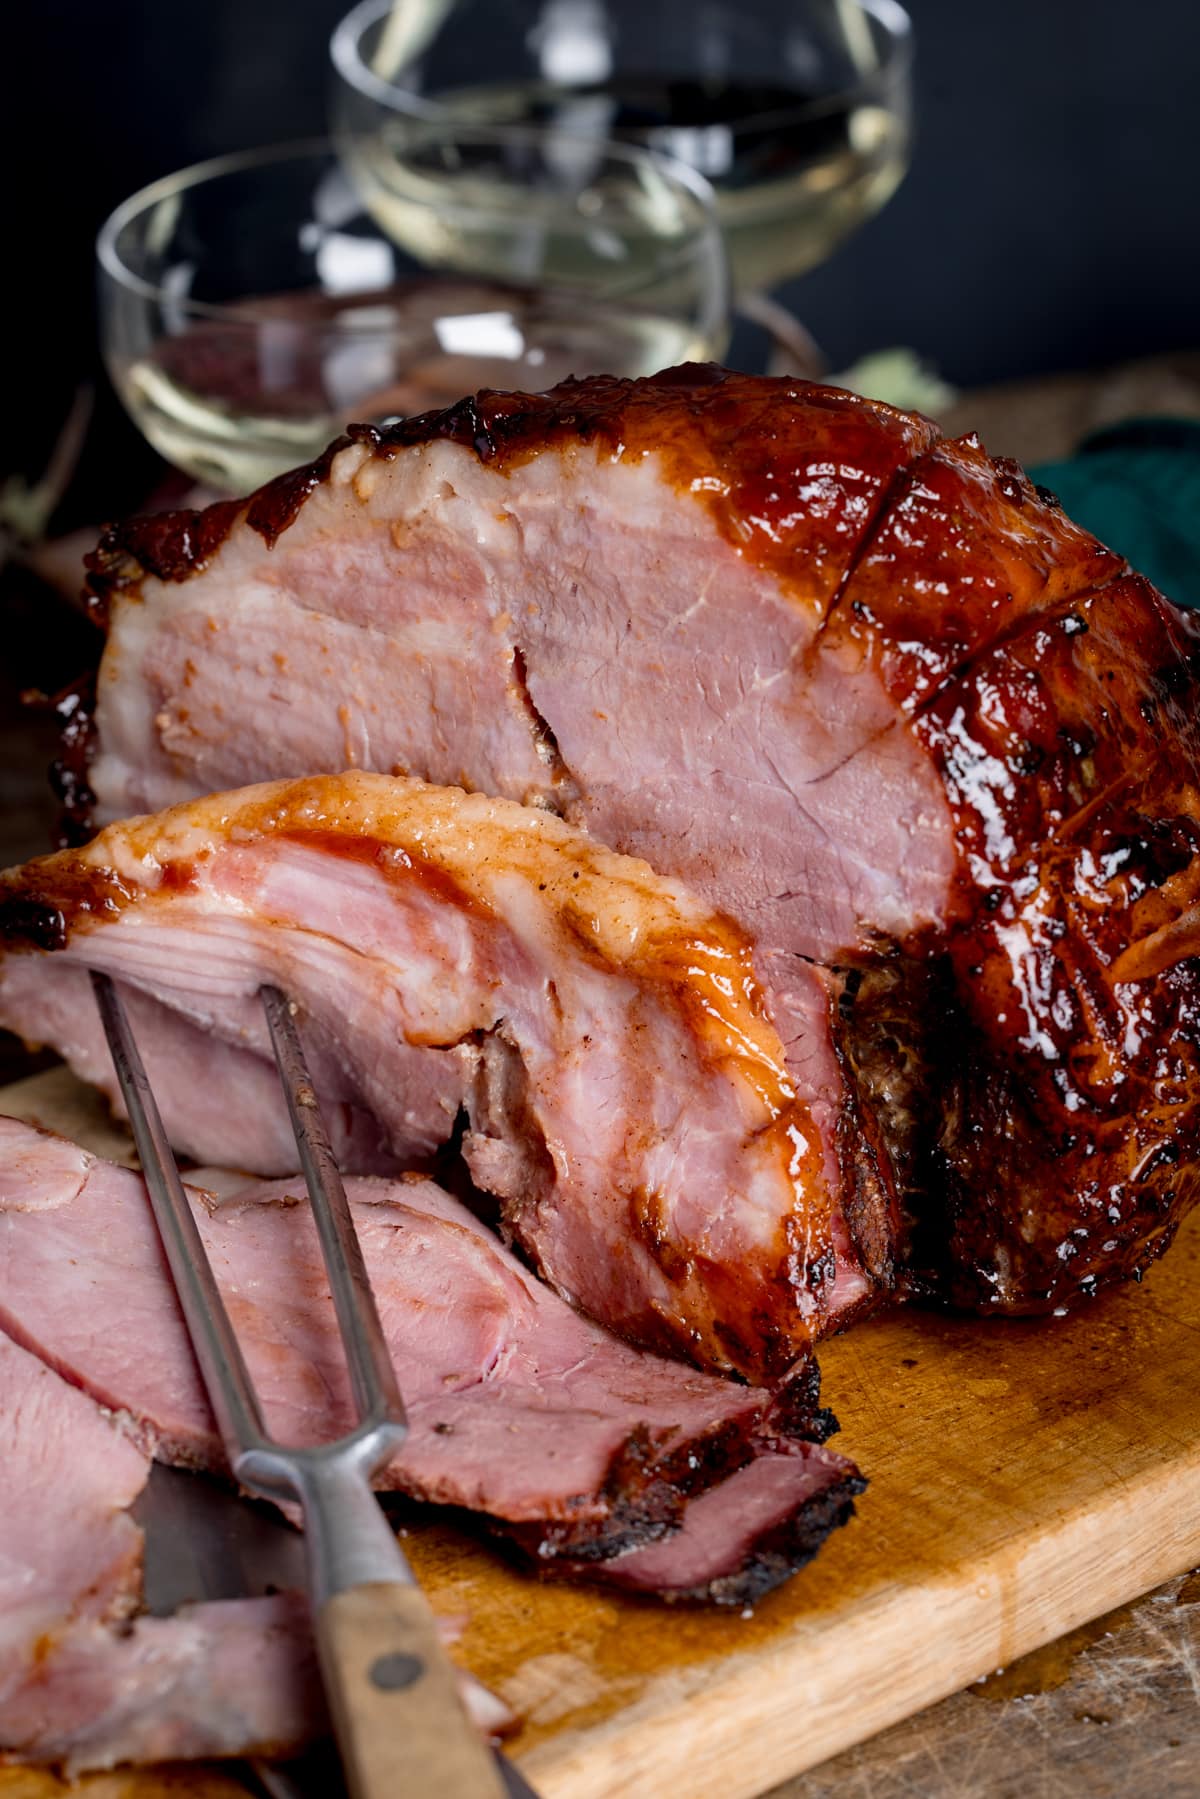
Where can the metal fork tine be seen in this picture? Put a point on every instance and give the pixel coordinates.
(397, 1709)
(372, 1375)
(230, 1390)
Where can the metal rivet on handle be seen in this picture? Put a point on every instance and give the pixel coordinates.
(392, 1673)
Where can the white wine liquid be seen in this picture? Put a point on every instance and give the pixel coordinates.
(214, 412)
(778, 229)
(221, 444)
(793, 176)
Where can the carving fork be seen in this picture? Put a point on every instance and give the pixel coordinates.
(393, 1694)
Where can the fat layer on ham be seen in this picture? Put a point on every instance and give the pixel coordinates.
(626, 1094)
(867, 691)
(576, 1446)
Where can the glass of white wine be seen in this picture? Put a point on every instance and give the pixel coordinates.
(798, 115)
(253, 305)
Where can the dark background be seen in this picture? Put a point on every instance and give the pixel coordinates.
(1049, 220)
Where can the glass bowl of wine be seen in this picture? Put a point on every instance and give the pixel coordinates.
(252, 306)
(798, 115)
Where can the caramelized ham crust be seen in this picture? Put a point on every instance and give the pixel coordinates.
(626, 1093)
(866, 691)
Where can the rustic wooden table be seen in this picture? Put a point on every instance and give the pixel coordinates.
(1114, 1708)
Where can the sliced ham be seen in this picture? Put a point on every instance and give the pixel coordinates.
(85, 1683)
(786, 644)
(626, 1093)
(510, 1396)
(744, 1537)
(81, 1681)
(68, 1548)
(574, 1445)
(230, 1678)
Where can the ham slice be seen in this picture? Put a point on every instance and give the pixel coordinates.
(67, 1476)
(626, 1093)
(742, 1538)
(84, 1683)
(81, 1681)
(232, 1678)
(575, 1446)
(868, 692)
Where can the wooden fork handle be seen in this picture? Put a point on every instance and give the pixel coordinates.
(401, 1726)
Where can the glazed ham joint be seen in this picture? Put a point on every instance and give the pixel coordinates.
(743, 842)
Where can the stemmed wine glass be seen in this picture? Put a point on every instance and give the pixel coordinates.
(801, 122)
(253, 305)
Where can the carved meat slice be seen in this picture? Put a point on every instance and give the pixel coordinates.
(627, 1098)
(82, 1682)
(575, 1445)
(85, 1683)
(68, 1549)
(233, 1677)
(741, 1539)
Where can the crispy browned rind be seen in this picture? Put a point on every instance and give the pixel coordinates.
(755, 1569)
(742, 438)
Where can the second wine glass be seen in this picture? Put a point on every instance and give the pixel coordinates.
(798, 116)
(252, 306)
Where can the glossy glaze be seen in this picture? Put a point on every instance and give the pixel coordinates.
(964, 551)
(1071, 1130)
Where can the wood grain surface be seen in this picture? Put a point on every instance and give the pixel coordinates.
(1025, 1477)
(1107, 1712)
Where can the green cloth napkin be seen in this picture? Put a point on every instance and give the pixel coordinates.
(1137, 487)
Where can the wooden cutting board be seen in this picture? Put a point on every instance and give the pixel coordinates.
(1025, 1477)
